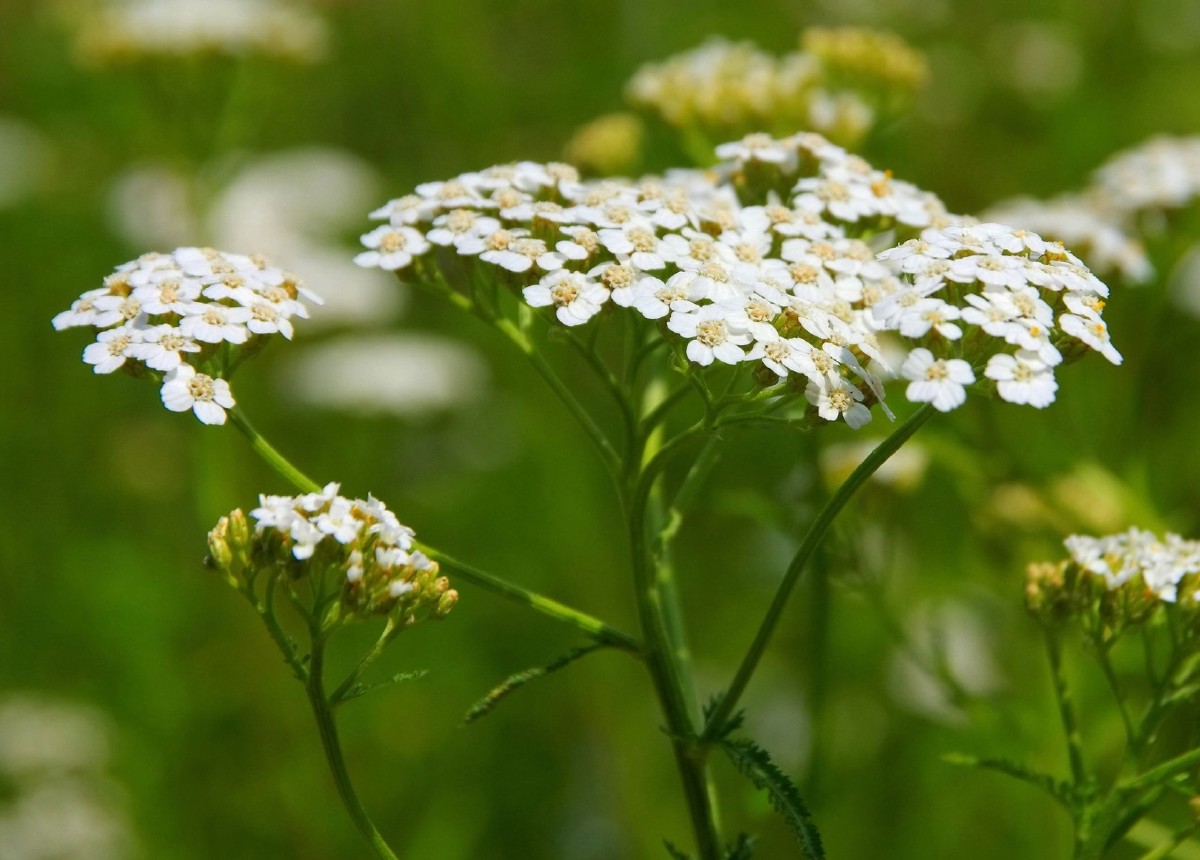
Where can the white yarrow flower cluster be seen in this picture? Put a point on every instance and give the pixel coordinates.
(1161, 565)
(785, 288)
(988, 296)
(181, 317)
(360, 539)
(765, 259)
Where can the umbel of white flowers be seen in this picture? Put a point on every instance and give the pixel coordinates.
(359, 543)
(769, 258)
(187, 319)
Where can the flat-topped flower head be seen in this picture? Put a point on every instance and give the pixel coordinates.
(783, 274)
(357, 547)
(182, 318)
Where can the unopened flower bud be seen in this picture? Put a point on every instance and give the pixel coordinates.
(218, 545)
(446, 603)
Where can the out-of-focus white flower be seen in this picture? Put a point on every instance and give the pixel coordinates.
(125, 30)
(1162, 173)
(59, 801)
(949, 655)
(903, 471)
(292, 205)
(402, 374)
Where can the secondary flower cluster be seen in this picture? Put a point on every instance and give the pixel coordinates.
(1162, 173)
(1023, 300)
(833, 86)
(762, 260)
(1125, 576)
(187, 318)
(370, 554)
(132, 29)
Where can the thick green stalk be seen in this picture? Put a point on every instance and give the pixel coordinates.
(729, 701)
(327, 728)
(662, 662)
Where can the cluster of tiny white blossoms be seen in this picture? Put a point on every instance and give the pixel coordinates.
(981, 291)
(1138, 556)
(187, 318)
(832, 86)
(124, 30)
(762, 259)
(360, 539)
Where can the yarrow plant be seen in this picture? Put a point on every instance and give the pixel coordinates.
(1117, 593)
(784, 287)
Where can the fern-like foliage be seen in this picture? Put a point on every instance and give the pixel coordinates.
(514, 682)
(362, 689)
(754, 763)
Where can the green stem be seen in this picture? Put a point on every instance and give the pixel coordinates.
(591, 627)
(323, 712)
(1066, 710)
(1162, 773)
(274, 459)
(791, 576)
(662, 662)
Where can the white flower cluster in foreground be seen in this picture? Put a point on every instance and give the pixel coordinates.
(127, 29)
(360, 539)
(764, 259)
(187, 318)
(1021, 297)
(1160, 565)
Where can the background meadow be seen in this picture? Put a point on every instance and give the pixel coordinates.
(907, 642)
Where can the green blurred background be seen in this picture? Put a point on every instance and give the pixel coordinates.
(103, 600)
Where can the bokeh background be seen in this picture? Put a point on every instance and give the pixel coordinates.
(183, 735)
